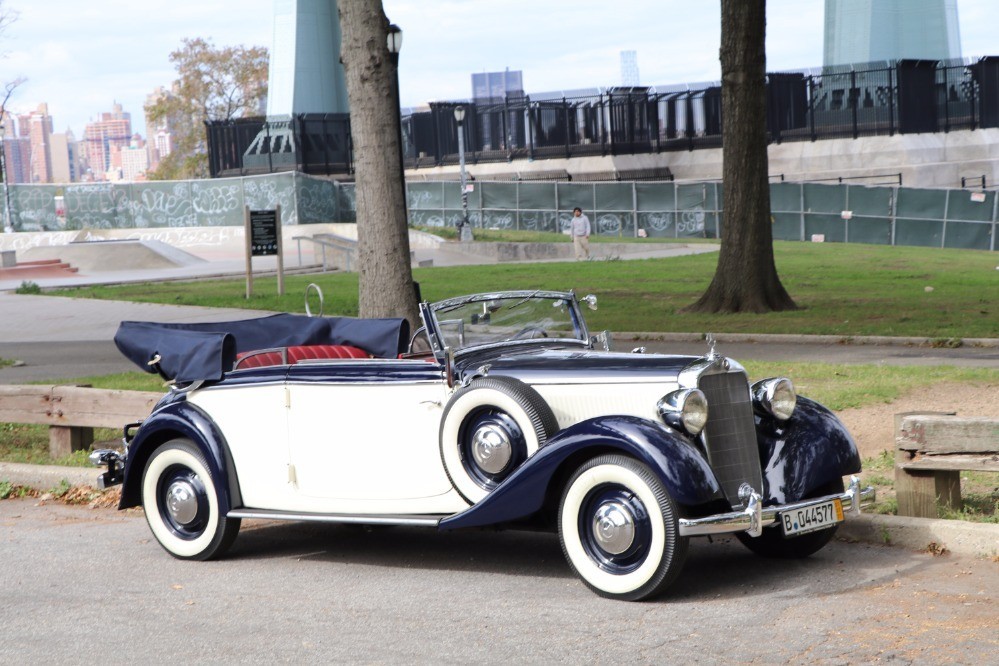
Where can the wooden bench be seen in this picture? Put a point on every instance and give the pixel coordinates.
(931, 451)
(72, 412)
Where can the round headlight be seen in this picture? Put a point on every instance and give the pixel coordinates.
(686, 409)
(776, 397)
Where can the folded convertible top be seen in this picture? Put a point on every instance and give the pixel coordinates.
(206, 351)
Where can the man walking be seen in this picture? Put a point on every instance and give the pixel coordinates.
(580, 230)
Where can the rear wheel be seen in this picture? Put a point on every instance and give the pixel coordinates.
(180, 500)
(619, 529)
(772, 542)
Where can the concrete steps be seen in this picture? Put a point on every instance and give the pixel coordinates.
(42, 268)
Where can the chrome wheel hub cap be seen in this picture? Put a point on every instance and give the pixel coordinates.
(491, 449)
(182, 502)
(614, 527)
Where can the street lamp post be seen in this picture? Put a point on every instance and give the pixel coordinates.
(394, 39)
(3, 171)
(464, 228)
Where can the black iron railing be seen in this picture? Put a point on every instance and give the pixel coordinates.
(851, 101)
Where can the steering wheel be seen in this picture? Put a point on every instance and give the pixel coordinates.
(529, 332)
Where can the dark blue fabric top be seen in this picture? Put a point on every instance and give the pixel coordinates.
(206, 351)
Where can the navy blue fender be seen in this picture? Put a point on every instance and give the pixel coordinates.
(682, 468)
(807, 451)
(181, 419)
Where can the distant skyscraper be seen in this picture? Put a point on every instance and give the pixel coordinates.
(39, 131)
(134, 160)
(494, 86)
(858, 31)
(490, 88)
(104, 138)
(157, 129)
(17, 148)
(63, 150)
(629, 68)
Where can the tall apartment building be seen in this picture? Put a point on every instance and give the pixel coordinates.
(158, 132)
(17, 150)
(37, 128)
(134, 160)
(858, 31)
(104, 137)
(65, 163)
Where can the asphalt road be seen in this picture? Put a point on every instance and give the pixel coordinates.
(62, 338)
(91, 585)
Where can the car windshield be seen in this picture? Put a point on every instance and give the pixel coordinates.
(496, 318)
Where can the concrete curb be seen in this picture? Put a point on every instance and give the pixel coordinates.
(46, 477)
(957, 536)
(787, 338)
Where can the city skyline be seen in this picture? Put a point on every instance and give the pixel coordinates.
(440, 50)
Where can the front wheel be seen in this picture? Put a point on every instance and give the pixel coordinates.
(772, 542)
(181, 503)
(619, 529)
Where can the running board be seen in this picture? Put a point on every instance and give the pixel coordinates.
(432, 520)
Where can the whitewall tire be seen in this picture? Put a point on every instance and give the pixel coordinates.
(488, 429)
(619, 529)
(180, 499)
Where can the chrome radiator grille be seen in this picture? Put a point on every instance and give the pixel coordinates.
(730, 435)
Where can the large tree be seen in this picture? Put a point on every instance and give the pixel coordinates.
(746, 277)
(214, 83)
(384, 273)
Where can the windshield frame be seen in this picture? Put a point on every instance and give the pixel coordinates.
(429, 312)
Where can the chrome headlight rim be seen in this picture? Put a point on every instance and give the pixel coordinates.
(685, 409)
(775, 397)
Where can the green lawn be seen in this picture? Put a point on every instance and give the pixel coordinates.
(845, 290)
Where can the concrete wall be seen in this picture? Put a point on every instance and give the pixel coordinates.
(924, 160)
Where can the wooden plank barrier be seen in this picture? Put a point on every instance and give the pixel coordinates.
(931, 451)
(72, 412)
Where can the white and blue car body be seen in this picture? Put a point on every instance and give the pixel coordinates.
(500, 410)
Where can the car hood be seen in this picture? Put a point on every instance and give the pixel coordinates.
(570, 366)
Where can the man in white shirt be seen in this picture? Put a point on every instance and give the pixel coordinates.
(579, 227)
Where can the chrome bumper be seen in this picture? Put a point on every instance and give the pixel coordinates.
(755, 516)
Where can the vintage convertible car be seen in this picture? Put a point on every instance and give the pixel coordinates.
(501, 410)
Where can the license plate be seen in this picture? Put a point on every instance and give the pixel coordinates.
(811, 518)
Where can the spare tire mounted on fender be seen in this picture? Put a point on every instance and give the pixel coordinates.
(488, 429)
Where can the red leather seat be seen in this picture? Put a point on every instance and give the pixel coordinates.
(298, 353)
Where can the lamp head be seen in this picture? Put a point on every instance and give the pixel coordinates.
(394, 38)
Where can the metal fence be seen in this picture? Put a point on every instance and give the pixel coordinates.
(800, 211)
(886, 98)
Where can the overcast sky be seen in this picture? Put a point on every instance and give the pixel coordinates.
(82, 55)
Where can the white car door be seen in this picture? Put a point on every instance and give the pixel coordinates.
(364, 436)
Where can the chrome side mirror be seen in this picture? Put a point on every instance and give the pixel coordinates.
(603, 339)
(590, 300)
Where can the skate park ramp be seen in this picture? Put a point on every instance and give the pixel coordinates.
(113, 255)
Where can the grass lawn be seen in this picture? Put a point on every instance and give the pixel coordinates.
(845, 290)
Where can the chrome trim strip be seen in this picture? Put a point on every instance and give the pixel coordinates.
(353, 519)
(754, 518)
(368, 381)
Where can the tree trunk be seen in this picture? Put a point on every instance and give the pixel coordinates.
(384, 272)
(746, 277)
